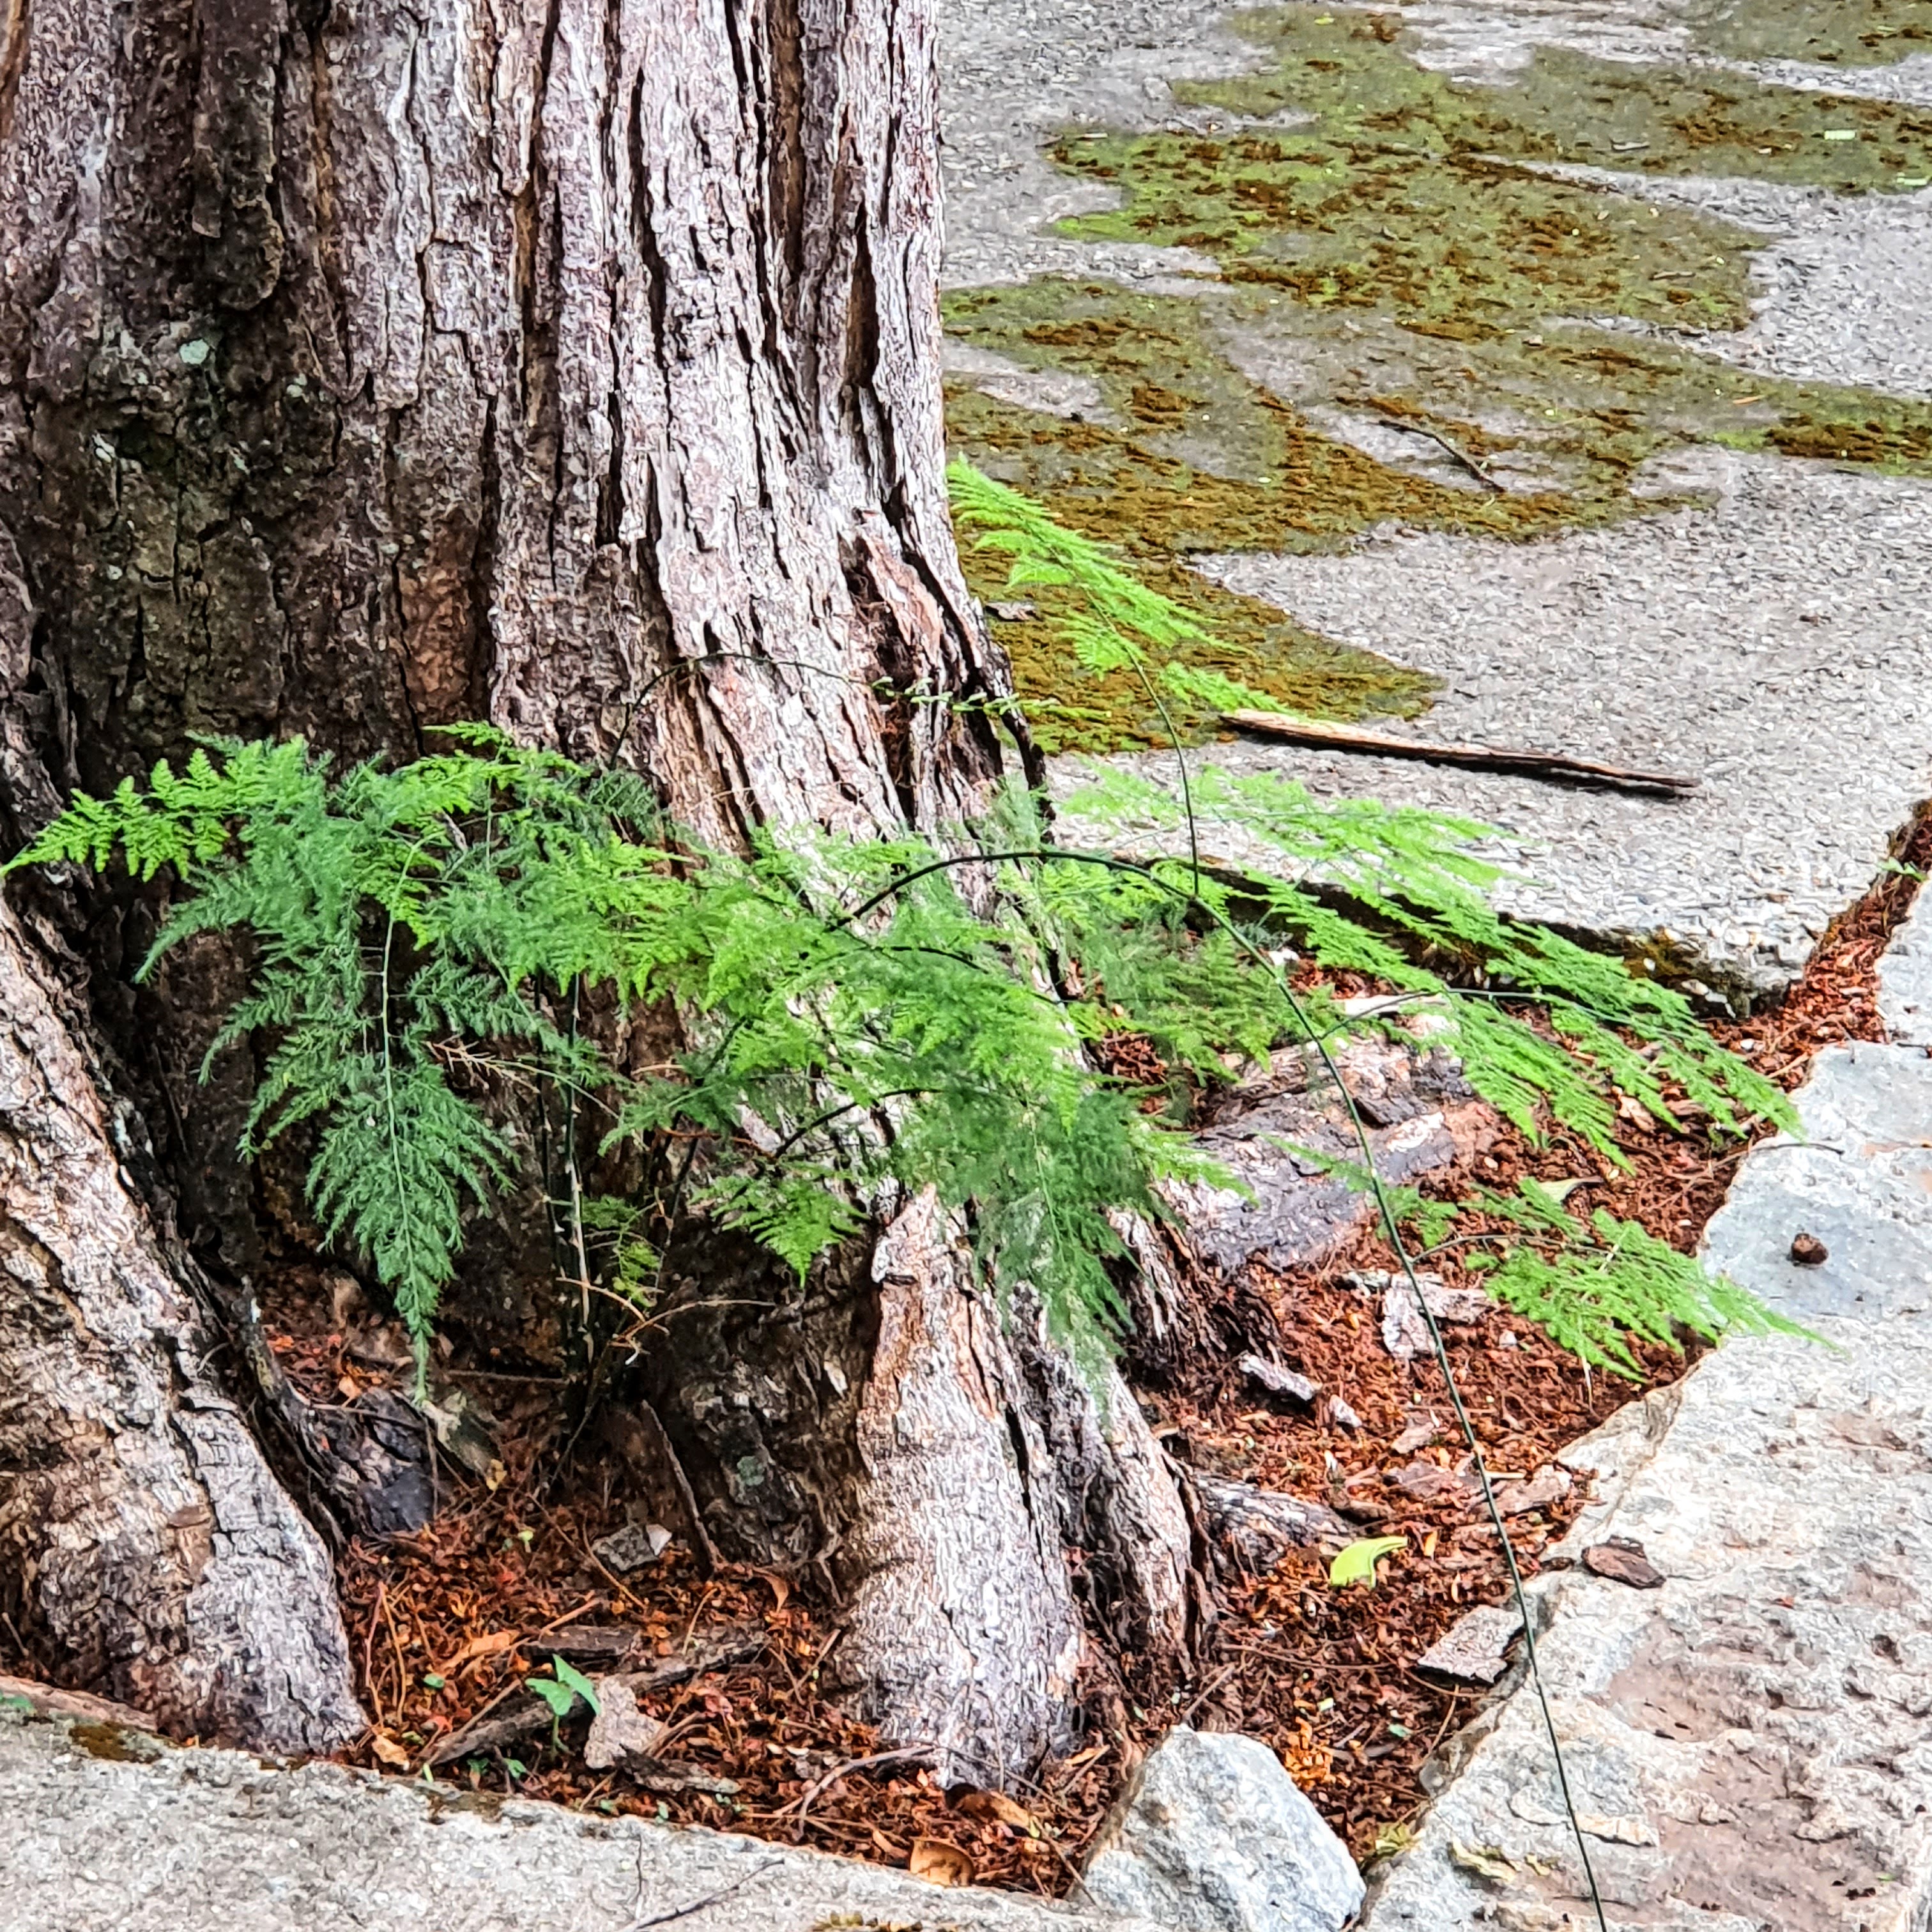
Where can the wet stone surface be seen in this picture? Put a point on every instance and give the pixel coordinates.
(1740, 1666)
(1285, 1135)
(103, 1833)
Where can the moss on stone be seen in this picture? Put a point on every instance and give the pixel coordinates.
(1463, 245)
(1189, 456)
(1381, 271)
(1352, 71)
(1070, 709)
(1853, 33)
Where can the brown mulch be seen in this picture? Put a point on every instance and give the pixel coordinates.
(445, 1623)
(1326, 1675)
(1837, 999)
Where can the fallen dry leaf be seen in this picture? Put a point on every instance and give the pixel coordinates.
(492, 1644)
(885, 1845)
(938, 1863)
(389, 1751)
(997, 1805)
(781, 1586)
(1621, 1559)
(1487, 1862)
(619, 1732)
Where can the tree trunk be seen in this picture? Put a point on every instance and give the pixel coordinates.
(363, 369)
(142, 1539)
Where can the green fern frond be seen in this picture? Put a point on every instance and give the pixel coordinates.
(799, 1214)
(1590, 1297)
(455, 909)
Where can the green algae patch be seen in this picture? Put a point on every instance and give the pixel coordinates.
(1853, 33)
(114, 1743)
(1186, 455)
(1071, 710)
(1189, 455)
(1351, 71)
(1593, 405)
(1629, 399)
(1108, 485)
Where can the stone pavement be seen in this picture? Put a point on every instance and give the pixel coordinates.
(1769, 641)
(1749, 1741)
(93, 1839)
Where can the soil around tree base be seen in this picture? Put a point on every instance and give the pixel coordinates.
(447, 1624)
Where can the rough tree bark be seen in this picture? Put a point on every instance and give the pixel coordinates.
(141, 1534)
(574, 364)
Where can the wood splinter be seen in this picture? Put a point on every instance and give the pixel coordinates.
(1481, 757)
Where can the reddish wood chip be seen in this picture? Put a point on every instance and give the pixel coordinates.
(1622, 1560)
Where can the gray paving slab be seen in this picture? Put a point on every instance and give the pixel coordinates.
(94, 1840)
(1905, 978)
(1749, 1743)
(1772, 643)
(1697, 643)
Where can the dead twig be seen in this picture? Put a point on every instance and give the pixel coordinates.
(717, 1897)
(50, 1701)
(1482, 758)
(369, 1649)
(814, 1792)
(1395, 421)
(1207, 1690)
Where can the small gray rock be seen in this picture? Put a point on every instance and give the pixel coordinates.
(633, 1547)
(1404, 1331)
(1476, 1651)
(1212, 1835)
(1548, 1485)
(1272, 1379)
